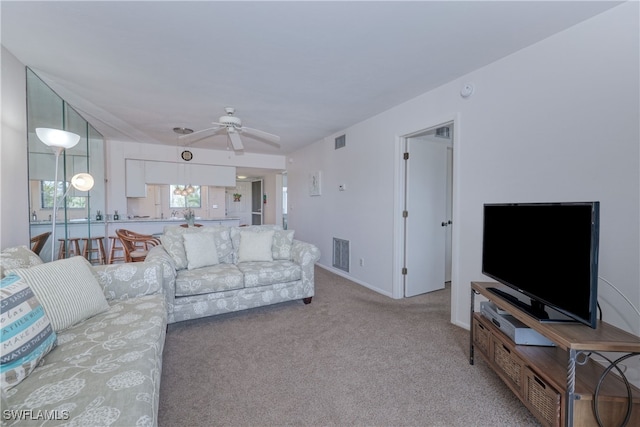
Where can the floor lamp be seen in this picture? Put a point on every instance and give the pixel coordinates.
(60, 140)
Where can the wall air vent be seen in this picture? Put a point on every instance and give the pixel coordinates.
(443, 132)
(341, 254)
(341, 141)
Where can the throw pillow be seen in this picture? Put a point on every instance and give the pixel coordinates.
(255, 246)
(173, 242)
(174, 245)
(67, 290)
(234, 233)
(282, 242)
(27, 335)
(18, 257)
(200, 249)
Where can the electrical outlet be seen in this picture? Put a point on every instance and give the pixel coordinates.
(342, 187)
(361, 262)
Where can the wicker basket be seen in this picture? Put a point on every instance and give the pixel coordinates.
(481, 337)
(510, 364)
(542, 399)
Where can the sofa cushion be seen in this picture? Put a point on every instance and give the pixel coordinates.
(200, 249)
(27, 334)
(17, 257)
(269, 272)
(216, 278)
(282, 242)
(255, 246)
(105, 371)
(173, 242)
(67, 289)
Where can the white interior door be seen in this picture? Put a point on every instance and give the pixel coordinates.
(426, 223)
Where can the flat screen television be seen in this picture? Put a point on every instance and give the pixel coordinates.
(547, 256)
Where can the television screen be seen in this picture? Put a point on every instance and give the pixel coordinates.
(548, 254)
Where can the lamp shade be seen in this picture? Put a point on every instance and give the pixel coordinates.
(82, 182)
(57, 138)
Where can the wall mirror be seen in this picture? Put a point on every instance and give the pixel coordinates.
(77, 213)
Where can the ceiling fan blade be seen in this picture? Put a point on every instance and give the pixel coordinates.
(236, 142)
(261, 134)
(189, 135)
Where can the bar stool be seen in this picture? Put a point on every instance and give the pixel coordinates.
(74, 248)
(115, 246)
(94, 245)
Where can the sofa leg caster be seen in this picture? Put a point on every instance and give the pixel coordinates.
(307, 300)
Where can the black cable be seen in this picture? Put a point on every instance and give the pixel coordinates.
(599, 310)
(596, 394)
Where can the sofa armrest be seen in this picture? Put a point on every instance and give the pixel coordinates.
(130, 280)
(306, 255)
(159, 255)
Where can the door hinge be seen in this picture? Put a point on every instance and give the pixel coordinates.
(404, 271)
(406, 156)
(405, 214)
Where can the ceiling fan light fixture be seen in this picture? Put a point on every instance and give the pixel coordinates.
(182, 131)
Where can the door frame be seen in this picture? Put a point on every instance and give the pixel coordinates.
(398, 203)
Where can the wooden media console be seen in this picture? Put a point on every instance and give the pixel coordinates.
(558, 384)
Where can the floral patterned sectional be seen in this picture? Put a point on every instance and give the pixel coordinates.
(95, 334)
(214, 270)
(107, 325)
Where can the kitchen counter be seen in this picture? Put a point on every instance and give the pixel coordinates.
(156, 225)
(172, 220)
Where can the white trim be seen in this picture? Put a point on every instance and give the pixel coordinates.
(398, 198)
(353, 279)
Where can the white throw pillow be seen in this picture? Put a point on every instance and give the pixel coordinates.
(255, 246)
(200, 249)
(67, 290)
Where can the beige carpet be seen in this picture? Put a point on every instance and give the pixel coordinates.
(351, 357)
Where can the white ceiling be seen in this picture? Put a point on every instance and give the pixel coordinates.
(301, 70)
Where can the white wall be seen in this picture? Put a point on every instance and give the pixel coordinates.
(557, 121)
(14, 209)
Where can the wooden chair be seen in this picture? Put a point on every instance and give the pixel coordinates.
(37, 242)
(135, 245)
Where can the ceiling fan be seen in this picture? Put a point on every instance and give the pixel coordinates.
(232, 126)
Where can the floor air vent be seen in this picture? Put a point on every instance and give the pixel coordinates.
(341, 254)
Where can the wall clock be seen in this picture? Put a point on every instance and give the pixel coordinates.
(187, 155)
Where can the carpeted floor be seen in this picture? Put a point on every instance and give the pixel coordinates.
(351, 357)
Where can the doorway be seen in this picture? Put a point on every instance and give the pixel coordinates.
(256, 202)
(427, 197)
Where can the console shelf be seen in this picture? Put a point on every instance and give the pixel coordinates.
(550, 381)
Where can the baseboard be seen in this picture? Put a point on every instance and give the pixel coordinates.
(351, 278)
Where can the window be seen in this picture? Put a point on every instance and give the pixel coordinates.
(46, 196)
(179, 201)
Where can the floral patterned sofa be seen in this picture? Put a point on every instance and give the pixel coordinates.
(104, 369)
(214, 270)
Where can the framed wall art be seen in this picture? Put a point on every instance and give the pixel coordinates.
(315, 184)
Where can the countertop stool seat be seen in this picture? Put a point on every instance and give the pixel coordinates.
(93, 250)
(116, 251)
(73, 245)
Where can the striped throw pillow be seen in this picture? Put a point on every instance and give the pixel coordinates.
(26, 335)
(67, 289)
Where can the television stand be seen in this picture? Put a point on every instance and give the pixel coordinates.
(553, 382)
